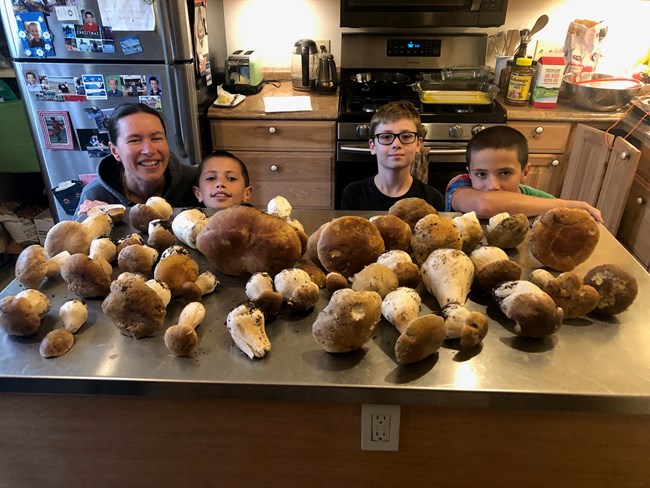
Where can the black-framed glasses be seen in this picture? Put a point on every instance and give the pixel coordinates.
(386, 138)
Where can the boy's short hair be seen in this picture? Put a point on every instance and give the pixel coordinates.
(499, 137)
(222, 154)
(394, 111)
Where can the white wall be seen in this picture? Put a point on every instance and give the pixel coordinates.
(272, 26)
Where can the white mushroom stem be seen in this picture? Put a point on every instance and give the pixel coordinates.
(484, 255)
(448, 274)
(496, 219)
(400, 307)
(259, 289)
(280, 207)
(207, 282)
(161, 206)
(74, 314)
(103, 247)
(247, 328)
(468, 326)
(99, 225)
(540, 277)
(297, 288)
(40, 303)
(181, 339)
(471, 232)
(161, 288)
(188, 224)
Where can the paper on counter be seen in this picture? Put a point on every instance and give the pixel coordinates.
(287, 104)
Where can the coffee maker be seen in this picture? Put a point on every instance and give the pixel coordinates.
(304, 65)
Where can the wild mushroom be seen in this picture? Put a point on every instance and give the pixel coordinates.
(419, 336)
(394, 231)
(154, 208)
(161, 235)
(181, 339)
(471, 232)
(188, 224)
(135, 308)
(616, 288)
(74, 314)
(206, 283)
(137, 258)
(161, 289)
(411, 210)
(281, 208)
(259, 289)
(33, 265)
(348, 320)
(375, 277)
(335, 281)
(133, 238)
(115, 211)
(56, 343)
(408, 273)
(86, 277)
(562, 238)
(316, 274)
(447, 274)
(176, 267)
(75, 237)
(434, 232)
(460, 323)
(507, 231)
(21, 314)
(297, 289)
(567, 291)
(103, 250)
(247, 329)
(533, 311)
(493, 266)
(312, 245)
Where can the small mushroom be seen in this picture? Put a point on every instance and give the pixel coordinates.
(74, 314)
(137, 258)
(400, 262)
(493, 266)
(616, 288)
(181, 339)
(21, 314)
(75, 237)
(56, 343)
(567, 291)
(297, 289)
(188, 224)
(375, 277)
(335, 281)
(247, 329)
(280, 207)
(460, 323)
(133, 238)
(33, 265)
(348, 320)
(259, 289)
(471, 232)
(154, 208)
(176, 267)
(206, 283)
(104, 247)
(394, 231)
(161, 235)
(86, 277)
(507, 231)
(316, 274)
(115, 211)
(434, 232)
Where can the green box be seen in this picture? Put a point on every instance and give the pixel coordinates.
(18, 152)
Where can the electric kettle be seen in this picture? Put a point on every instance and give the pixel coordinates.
(304, 65)
(327, 78)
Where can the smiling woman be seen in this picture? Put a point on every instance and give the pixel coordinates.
(140, 165)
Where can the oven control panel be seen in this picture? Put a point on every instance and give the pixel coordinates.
(413, 47)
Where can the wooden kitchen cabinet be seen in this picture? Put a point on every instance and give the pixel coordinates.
(292, 158)
(547, 147)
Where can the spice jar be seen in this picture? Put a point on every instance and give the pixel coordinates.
(521, 77)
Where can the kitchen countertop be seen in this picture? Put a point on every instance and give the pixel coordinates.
(591, 364)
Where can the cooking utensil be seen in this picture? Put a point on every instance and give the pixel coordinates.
(371, 80)
(304, 64)
(586, 90)
(512, 41)
(327, 77)
(461, 93)
(540, 23)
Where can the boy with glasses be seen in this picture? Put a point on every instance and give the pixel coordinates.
(395, 140)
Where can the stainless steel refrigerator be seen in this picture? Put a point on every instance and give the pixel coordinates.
(76, 60)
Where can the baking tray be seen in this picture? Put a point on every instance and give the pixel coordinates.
(456, 93)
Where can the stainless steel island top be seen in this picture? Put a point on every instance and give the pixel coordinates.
(592, 364)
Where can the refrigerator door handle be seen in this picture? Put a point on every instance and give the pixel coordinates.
(180, 142)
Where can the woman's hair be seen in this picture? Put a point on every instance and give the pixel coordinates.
(499, 137)
(125, 109)
(223, 154)
(394, 111)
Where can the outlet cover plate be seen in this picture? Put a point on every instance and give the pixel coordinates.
(323, 42)
(380, 427)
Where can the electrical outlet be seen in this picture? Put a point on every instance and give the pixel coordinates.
(380, 427)
(326, 43)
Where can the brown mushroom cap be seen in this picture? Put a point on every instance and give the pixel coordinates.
(434, 232)
(569, 293)
(18, 316)
(316, 274)
(67, 235)
(394, 231)
(616, 288)
(475, 329)
(133, 238)
(422, 337)
(411, 210)
(85, 276)
(349, 243)
(335, 281)
(56, 343)
(161, 235)
(136, 258)
(181, 340)
(562, 238)
(31, 266)
(141, 214)
(494, 273)
(375, 277)
(510, 232)
(175, 270)
(312, 245)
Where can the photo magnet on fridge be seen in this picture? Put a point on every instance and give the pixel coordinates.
(34, 35)
(57, 132)
(94, 142)
(130, 45)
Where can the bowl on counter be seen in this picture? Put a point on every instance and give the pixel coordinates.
(600, 92)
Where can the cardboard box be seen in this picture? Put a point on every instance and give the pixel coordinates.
(547, 82)
(43, 222)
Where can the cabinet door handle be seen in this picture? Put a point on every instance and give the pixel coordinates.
(640, 201)
(538, 131)
(624, 155)
(555, 162)
(274, 168)
(272, 130)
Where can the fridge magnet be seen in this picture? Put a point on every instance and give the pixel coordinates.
(56, 130)
(201, 37)
(26, 6)
(65, 87)
(152, 101)
(107, 32)
(66, 13)
(134, 85)
(34, 35)
(94, 86)
(154, 86)
(71, 44)
(90, 28)
(68, 194)
(114, 86)
(32, 82)
(130, 45)
(93, 142)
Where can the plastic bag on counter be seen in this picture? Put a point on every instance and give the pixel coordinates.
(19, 223)
(582, 46)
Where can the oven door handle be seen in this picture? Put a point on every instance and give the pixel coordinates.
(432, 151)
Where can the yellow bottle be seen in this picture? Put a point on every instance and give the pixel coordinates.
(521, 77)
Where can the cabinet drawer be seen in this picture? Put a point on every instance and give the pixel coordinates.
(273, 135)
(634, 229)
(546, 172)
(547, 137)
(305, 179)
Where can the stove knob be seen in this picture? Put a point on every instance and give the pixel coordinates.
(477, 128)
(363, 131)
(456, 131)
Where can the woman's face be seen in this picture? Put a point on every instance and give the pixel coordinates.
(141, 147)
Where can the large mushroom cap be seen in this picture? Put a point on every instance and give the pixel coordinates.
(616, 288)
(411, 210)
(375, 277)
(507, 231)
(434, 232)
(67, 235)
(176, 269)
(85, 276)
(56, 343)
(33, 265)
(562, 238)
(18, 316)
(422, 337)
(394, 231)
